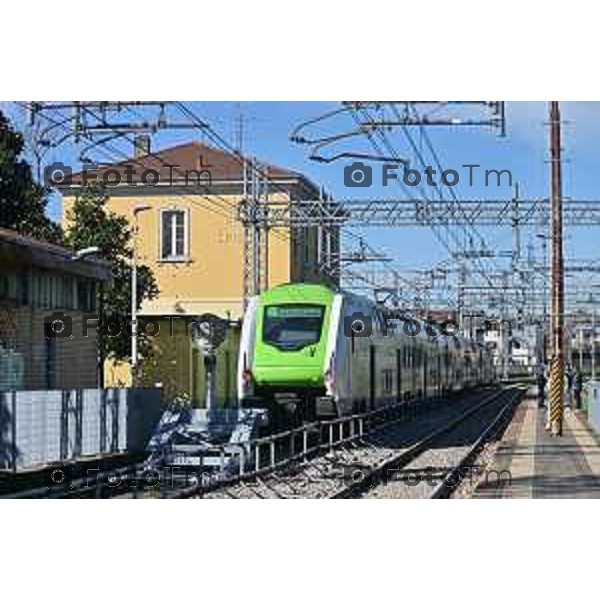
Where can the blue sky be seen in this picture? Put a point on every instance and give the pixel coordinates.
(267, 126)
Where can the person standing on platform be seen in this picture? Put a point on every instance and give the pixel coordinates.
(577, 389)
(569, 379)
(541, 385)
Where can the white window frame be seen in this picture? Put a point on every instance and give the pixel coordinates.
(186, 234)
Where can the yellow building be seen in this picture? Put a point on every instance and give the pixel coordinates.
(185, 201)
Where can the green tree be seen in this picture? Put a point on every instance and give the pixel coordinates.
(23, 202)
(91, 224)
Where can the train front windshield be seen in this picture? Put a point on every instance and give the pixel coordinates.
(292, 326)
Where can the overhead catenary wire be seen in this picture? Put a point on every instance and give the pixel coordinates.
(219, 141)
(181, 193)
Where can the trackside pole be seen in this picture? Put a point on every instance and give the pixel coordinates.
(557, 369)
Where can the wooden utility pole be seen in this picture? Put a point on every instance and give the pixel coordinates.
(557, 276)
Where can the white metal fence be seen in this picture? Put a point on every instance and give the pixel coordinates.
(43, 427)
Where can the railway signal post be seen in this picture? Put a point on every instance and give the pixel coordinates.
(209, 333)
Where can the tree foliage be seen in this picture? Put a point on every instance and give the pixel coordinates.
(23, 202)
(90, 224)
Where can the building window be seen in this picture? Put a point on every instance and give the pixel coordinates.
(174, 234)
(86, 295)
(9, 286)
(66, 293)
(25, 294)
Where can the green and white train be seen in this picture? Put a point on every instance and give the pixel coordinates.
(312, 352)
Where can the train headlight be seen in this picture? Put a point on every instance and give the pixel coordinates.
(329, 376)
(329, 381)
(247, 378)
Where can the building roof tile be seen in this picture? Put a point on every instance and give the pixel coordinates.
(173, 163)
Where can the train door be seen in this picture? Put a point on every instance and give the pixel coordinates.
(412, 365)
(444, 367)
(359, 367)
(424, 370)
(372, 377)
(398, 374)
(482, 367)
(458, 379)
(439, 358)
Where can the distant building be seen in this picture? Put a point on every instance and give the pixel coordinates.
(518, 348)
(37, 281)
(191, 237)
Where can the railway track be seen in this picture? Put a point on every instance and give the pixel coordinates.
(444, 461)
(378, 454)
(264, 458)
(466, 463)
(357, 465)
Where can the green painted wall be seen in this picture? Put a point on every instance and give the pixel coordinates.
(178, 365)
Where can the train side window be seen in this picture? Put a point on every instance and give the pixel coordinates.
(372, 377)
(377, 322)
(398, 373)
(388, 381)
(382, 321)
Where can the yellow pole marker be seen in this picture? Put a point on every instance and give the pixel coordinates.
(555, 407)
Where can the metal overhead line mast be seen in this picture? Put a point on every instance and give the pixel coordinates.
(374, 120)
(452, 226)
(90, 125)
(255, 198)
(106, 117)
(385, 212)
(557, 276)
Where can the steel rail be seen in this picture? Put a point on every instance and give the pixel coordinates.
(334, 434)
(444, 489)
(405, 457)
(331, 434)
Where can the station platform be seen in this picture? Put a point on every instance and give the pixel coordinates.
(540, 465)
